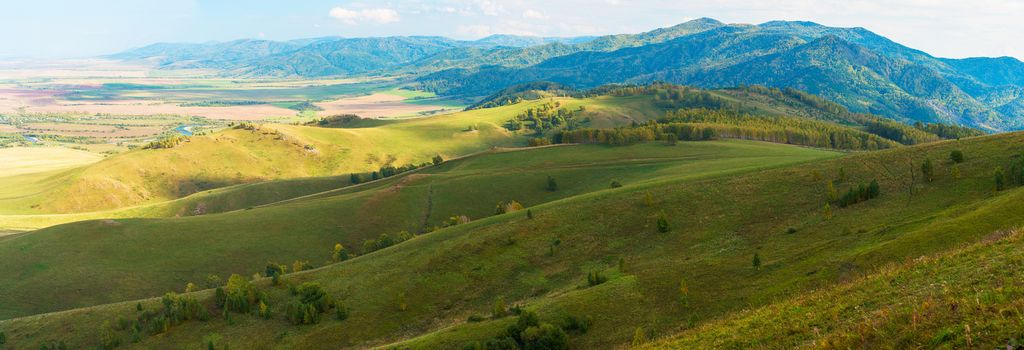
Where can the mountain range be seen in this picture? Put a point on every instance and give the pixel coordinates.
(862, 70)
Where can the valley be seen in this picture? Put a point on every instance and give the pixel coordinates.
(705, 185)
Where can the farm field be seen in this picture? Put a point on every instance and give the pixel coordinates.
(98, 103)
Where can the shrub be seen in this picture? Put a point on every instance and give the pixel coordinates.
(544, 337)
(475, 318)
(928, 170)
(552, 185)
(3, 338)
(340, 253)
(791, 230)
(538, 141)
(274, 269)
(437, 160)
(529, 214)
(340, 312)
(663, 223)
(507, 207)
(108, 337)
(616, 184)
(264, 310)
(957, 156)
(500, 308)
(239, 295)
(309, 302)
(573, 324)
(138, 306)
(355, 178)
(595, 278)
(301, 265)
(756, 262)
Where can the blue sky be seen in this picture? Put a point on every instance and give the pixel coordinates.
(52, 28)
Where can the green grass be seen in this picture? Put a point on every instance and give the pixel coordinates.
(968, 298)
(718, 222)
(276, 152)
(241, 241)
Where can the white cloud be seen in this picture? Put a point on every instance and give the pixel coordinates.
(376, 15)
(534, 14)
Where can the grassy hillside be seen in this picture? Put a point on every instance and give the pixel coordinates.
(421, 292)
(968, 298)
(281, 152)
(122, 253)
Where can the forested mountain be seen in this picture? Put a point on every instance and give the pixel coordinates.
(865, 72)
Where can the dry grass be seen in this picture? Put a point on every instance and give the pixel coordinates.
(30, 160)
(374, 106)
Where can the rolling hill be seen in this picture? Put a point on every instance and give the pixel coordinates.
(420, 293)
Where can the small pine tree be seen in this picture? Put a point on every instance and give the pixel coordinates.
(3, 338)
(529, 214)
(663, 223)
(756, 261)
(928, 170)
(355, 178)
(957, 156)
(552, 185)
(1000, 179)
(138, 306)
(833, 195)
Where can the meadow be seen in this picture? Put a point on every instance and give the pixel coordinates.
(718, 220)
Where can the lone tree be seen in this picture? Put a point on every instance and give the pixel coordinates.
(438, 160)
(552, 185)
(957, 156)
(756, 262)
(1000, 179)
(928, 170)
(663, 223)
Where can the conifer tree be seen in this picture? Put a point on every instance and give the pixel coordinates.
(552, 185)
(663, 223)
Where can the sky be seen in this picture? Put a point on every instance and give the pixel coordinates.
(81, 28)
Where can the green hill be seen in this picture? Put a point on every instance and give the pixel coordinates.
(115, 251)
(420, 293)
